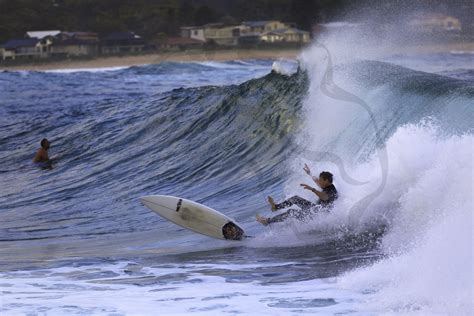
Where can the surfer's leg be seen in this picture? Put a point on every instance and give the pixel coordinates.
(271, 201)
(283, 216)
(294, 200)
(305, 214)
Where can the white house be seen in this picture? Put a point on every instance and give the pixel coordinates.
(262, 26)
(286, 35)
(194, 32)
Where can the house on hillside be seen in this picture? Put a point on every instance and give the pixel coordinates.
(434, 23)
(286, 35)
(73, 44)
(222, 34)
(194, 32)
(122, 42)
(45, 40)
(179, 43)
(272, 32)
(247, 34)
(84, 36)
(23, 48)
(259, 27)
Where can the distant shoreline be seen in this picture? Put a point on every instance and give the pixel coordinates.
(211, 55)
(155, 58)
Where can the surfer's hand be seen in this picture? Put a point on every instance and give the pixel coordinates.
(306, 187)
(306, 169)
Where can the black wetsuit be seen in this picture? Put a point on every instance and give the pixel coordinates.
(306, 206)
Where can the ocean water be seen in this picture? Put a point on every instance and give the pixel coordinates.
(397, 132)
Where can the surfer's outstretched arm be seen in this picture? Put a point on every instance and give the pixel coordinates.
(322, 195)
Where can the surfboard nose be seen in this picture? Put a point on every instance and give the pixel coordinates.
(145, 199)
(159, 200)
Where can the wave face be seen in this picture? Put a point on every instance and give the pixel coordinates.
(213, 144)
(399, 142)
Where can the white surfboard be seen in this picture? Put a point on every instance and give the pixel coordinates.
(194, 216)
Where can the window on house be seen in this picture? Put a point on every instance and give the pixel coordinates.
(236, 32)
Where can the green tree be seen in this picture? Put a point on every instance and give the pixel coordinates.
(204, 15)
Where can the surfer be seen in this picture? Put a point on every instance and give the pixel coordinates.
(42, 153)
(326, 199)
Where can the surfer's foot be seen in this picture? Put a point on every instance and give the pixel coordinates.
(272, 203)
(262, 220)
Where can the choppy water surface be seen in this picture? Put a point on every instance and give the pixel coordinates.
(75, 239)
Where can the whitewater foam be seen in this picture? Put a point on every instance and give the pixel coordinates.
(429, 239)
(425, 201)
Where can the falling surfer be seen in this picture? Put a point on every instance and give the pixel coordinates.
(327, 196)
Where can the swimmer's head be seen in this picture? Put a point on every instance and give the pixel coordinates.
(45, 143)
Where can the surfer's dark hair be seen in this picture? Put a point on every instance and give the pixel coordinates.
(237, 233)
(326, 175)
(43, 142)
